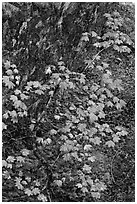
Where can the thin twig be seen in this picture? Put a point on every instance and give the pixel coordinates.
(94, 59)
(48, 194)
(118, 152)
(56, 159)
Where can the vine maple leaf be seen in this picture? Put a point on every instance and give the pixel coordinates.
(110, 143)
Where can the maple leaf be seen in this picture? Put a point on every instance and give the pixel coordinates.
(4, 126)
(105, 125)
(94, 34)
(13, 98)
(97, 44)
(64, 148)
(63, 86)
(53, 132)
(99, 68)
(23, 96)
(17, 91)
(85, 37)
(70, 135)
(62, 68)
(7, 64)
(101, 186)
(75, 155)
(92, 109)
(24, 182)
(118, 106)
(122, 103)
(115, 99)
(39, 140)
(20, 173)
(92, 158)
(5, 115)
(116, 138)
(14, 120)
(20, 159)
(87, 147)
(102, 97)
(105, 65)
(70, 145)
(82, 126)
(42, 197)
(25, 152)
(36, 84)
(66, 129)
(106, 176)
(125, 49)
(60, 63)
(6, 80)
(100, 106)
(110, 143)
(92, 132)
(15, 71)
(95, 194)
(13, 114)
(28, 192)
(109, 104)
(119, 128)
(18, 103)
(106, 78)
(94, 87)
(28, 179)
(71, 85)
(4, 163)
(109, 94)
(90, 102)
(36, 191)
(93, 96)
(101, 115)
(75, 120)
(9, 166)
(85, 88)
(117, 84)
(18, 184)
(108, 130)
(116, 47)
(96, 140)
(79, 185)
(47, 141)
(11, 159)
(51, 93)
(6, 174)
(48, 70)
(72, 107)
(89, 181)
(84, 190)
(37, 183)
(63, 137)
(82, 79)
(58, 183)
(124, 132)
(87, 168)
(93, 117)
(57, 117)
(9, 72)
(31, 127)
(80, 112)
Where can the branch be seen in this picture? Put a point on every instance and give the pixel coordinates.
(94, 59)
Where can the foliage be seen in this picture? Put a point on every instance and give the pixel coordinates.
(58, 95)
